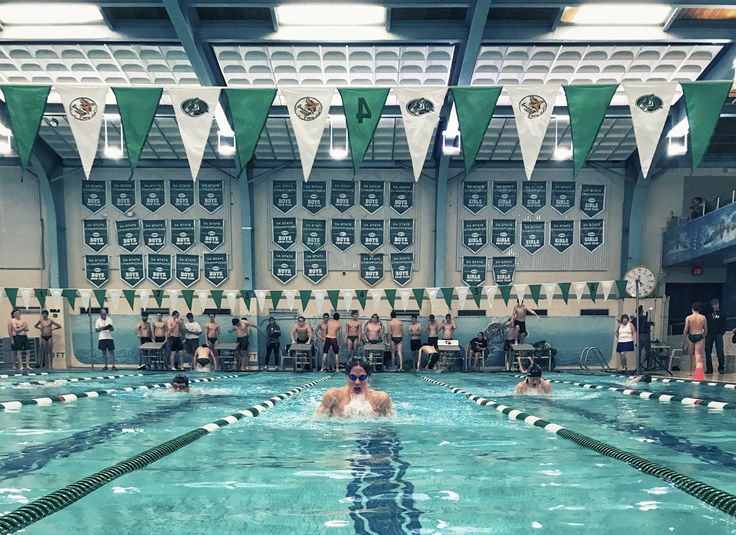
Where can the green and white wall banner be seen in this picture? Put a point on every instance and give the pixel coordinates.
(475, 234)
(592, 199)
(182, 234)
(95, 234)
(97, 269)
(562, 196)
(158, 268)
(94, 195)
(314, 196)
(137, 107)
(249, 110)
(503, 269)
(212, 233)
(131, 269)
(371, 195)
(186, 269)
(420, 110)
(284, 232)
(211, 196)
(84, 106)
(503, 233)
(129, 234)
(152, 194)
(342, 233)
(505, 195)
(181, 194)
(534, 195)
(474, 107)
(25, 105)
(122, 194)
(401, 196)
(194, 109)
(475, 196)
(154, 234)
(314, 234)
(284, 195)
(402, 267)
(474, 270)
(561, 234)
(363, 107)
(371, 233)
(592, 234)
(371, 268)
(283, 267)
(401, 233)
(703, 102)
(532, 235)
(308, 109)
(315, 266)
(216, 270)
(650, 105)
(533, 105)
(342, 195)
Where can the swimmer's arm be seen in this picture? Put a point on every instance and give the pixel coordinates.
(328, 402)
(138, 329)
(11, 330)
(293, 331)
(386, 408)
(310, 334)
(214, 359)
(55, 325)
(531, 311)
(37, 325)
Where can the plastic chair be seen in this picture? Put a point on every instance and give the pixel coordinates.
(675, 354)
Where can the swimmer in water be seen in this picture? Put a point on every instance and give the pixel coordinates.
(204, 359)
(356, 398)
(645, 378)
(533, 384)
(180, 384)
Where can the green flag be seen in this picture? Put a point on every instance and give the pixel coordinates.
(363, 108)
(130, 298)
(477, 293)
(100, 296)
(505, 290)
(565, 289)
(593, 289)
(474, 107)
(247, 296)
(418, 296)
(71, 296)
(217, 297)
(304, 296)
(26, 104)
(334, 295)
(447, 295)
(362, 296)
(703, 102)
(390, 295)
(587, 105)
(12, 294)
(158, 296)
(275, 298)
(41, 294)
(188, 296)
(621, 288)
(535, 290)
(249, 110)
(137, 108)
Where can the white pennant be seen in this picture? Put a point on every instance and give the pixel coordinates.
(432, 294)
(549, 291)
(173, 296)
(520, 290)
(202, 297)
(579, 290)
(261, 298)
(347, 298)
(194, 108)
(405, 295)
(290, 296)
(491, 294)
(55, 299)
(308, 109)
(144, 296)
(420, 111)
(114, 296)
(84, 107)
(25, 297)
(606, 286)
(533, 106)
(232, 300)
(376, 295)
(462, 295)
(649, 105)
(319, 299)
(85, 294)
(2, 294)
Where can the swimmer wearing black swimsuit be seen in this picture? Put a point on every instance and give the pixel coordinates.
(522, 326)
(695, 338)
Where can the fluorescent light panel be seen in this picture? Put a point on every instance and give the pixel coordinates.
(331, 15)
(43, 14)
(618, 14)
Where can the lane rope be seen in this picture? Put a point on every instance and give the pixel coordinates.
(708, 494)
(71, 380)
(724, 384)
(47, 505)
(29, 374)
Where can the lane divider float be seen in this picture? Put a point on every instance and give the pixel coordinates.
(30, 374)
(729, 386)
(72, 380)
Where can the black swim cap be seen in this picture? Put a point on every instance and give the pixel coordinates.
(181, 379)
(534, 371)
(646, 378)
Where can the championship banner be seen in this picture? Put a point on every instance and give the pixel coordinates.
(592, 199)
(475, 234)
(211, 233)
(342, 195)
(158, 269)
(563, 196)
(131, 269)
(152, 194)
(94, 195)
(532, 235)
(284, 195)
(371, 268)
(97, 269)
(315, 266)
(475, 196)
(505, 195)
(154, 234)
(186, 269)
(181, 194)
(401, 233)
(314, 196)
(503, 269)
(342, 232)
(215, 268)
(591, 234)
(314, 234)
(95, 234)
(129, 234)
(503, 233)
(402, 267)
(534, 195)
(211, 197)
(371, 195)
(284, 232)
(371, 233)
(561, 235)
(122, 194)
(401, 196)
(283, 267)
(474, 270)
(182, 234)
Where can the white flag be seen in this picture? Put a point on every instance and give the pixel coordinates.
(194, 108)
(432, 294)
(347, 298)
(308, 109)
(319, 299)
(606, 286)
(649, 105)
(376, 295)
(25, 297)
(491, 294)
(420, 111)
(579, 290)
(55, 299)
(533, 106)
(84, 107)
(85, 294)
(202, 296)
(261, 298)
(405, 295)
(549, 291)
(114, 299)
(520, 290)
(232, 300)
(462, 295)
(173, 298)
(144, 296)
(290, 296)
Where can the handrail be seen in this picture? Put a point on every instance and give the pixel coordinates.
(586, 353)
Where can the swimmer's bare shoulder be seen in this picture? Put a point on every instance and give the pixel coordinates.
(382, 403)
(329, 401)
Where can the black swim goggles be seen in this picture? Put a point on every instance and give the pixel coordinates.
(179, 386)
(353, 377)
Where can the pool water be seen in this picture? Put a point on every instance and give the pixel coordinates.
(441, 465)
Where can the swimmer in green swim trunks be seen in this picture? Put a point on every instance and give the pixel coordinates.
(18, 332)
(696, 327)
(432, 356)
(204, 359)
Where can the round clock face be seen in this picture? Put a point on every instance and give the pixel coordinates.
(646, 279)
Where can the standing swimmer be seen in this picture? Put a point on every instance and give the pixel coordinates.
(696, 328)
(47, 327)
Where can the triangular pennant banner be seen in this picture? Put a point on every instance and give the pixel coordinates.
(419, 297)
(203, 297)
(137, 107)
(565, 290)
(621, 289)
(520, 291)
(85, 294)
(261, 299)
(275, 298)
(462, 295)
(505, 290)
(158, 296)
(25, 105)
(304, 297)
(130, 298)
(173, 296)
(535, 290)
(347, 298)
(290, 296)
(144, 296)
(477, 293)
(491, 295)
(100, 297)
(40, 297)
(114, 296)
(391, 296)
(474, 107)
(25, 297)
(447, 294)
(579, 290)
(319, 300)
(84, 106)
(55, 301)
(593, 289)
(362, 296)
(549, 291)
(606, 287)
(363, 108)
(247, 296)
(12, 294)
(432, 295)
(703, 102)
(217, 298)
(232, 300)
(404, 295)
(249, 110)
(70, 294)
(375, 294)
(188, 296)
(334, 296)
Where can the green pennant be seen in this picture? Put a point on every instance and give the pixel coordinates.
(587, 105)
(333, 295)
(71, 296)
(703, 103)
(137, 107)
(621, 289)
(130, 298)
(100, 296)
(158, 296)
(391, 296)
(217, 297)
(275, 298)
(362, 296)
(474, 106)
(447, 295)
(505, 290)
(363, 108)
(418, 296)
(565, 289)
(12, 294)
(246, 296)
(535, 290)
(25, 104)
(249, 110)
(477, 293)
(41, 294)
(188, 296)
(593, 289)
(304, 297)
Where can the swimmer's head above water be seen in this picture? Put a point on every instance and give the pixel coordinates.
(180, 384)
(357, 372)
(534, 375)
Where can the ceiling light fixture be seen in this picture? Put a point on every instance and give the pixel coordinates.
(451, 135)
(334, 14)
(606, 14)
(338, 151)
(561, 152)
(226, 142)
(44, 14)
(114, 152)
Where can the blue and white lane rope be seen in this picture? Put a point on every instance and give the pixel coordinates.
(72, 380)
(712, 496)
(47, 505)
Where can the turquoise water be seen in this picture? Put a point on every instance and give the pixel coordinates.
(442, 465)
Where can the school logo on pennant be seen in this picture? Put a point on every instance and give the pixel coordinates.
(194, 107)
(420, 106)
(649, 103)
(533, 106)
(83, 108)
(308, 108)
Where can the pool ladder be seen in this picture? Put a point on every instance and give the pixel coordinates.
(595, 353)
